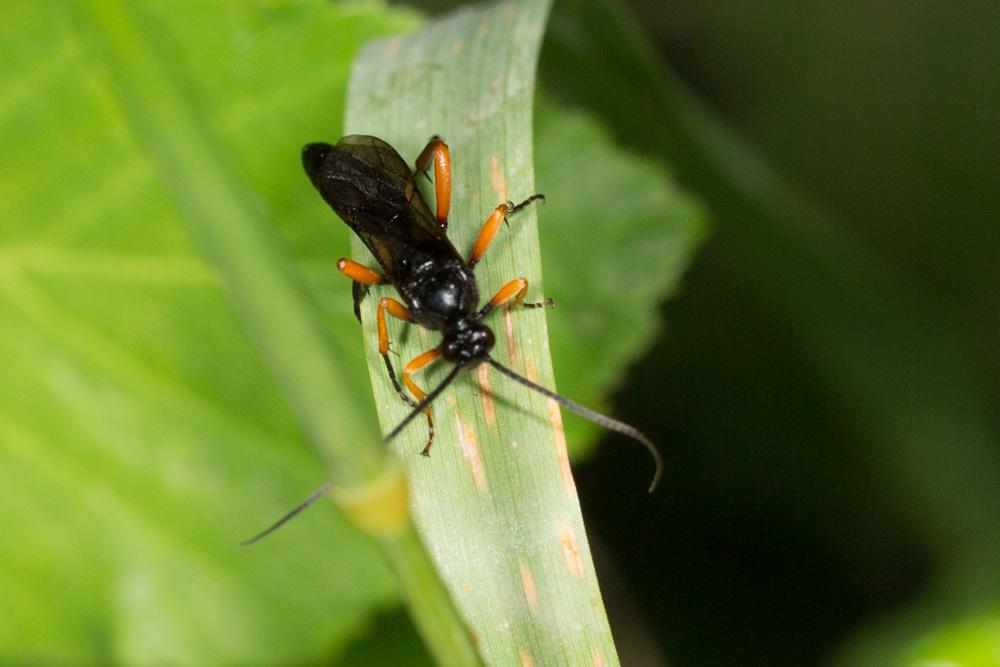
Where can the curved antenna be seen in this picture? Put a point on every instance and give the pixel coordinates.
(317, 494)
(428, 399)
(587, 413)
(323, 490)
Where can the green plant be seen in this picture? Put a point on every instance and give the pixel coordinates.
(137, 417)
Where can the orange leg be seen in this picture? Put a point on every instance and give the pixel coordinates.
(437, 151)
(359, 273)
(400, 312)
(362, 277)
(514, 291)
(416, 364)
(492, 226)
(397, 310)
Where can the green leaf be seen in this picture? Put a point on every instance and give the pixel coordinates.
(495, 501)
(140, 437)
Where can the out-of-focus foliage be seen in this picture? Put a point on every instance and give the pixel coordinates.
(140, 436)
(832, 469)
(830, 380)
(633, 234)
(969, 642)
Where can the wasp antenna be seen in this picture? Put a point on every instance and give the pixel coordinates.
(423, 404)
(317, 494)
(587, 413)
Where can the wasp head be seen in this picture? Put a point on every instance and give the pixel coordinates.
(467, 343)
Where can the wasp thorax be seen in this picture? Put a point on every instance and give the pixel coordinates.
(468, 343)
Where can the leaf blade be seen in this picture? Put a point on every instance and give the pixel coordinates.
(495, 501)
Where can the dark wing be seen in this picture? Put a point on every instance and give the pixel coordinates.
(372, 188)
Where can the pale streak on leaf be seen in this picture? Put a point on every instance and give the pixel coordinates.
(528, 585)
(571, 549)
(496, 173)
(470, 452)
(391, 47)
(489, 408)
(555, 419)
(530, 371)
(508, 330)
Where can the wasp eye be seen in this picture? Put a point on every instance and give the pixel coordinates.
(450, 349)
(486, 339)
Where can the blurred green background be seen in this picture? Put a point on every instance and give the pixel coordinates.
(827, 381)
(824, 385)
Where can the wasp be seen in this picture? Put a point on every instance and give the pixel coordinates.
(372, 188)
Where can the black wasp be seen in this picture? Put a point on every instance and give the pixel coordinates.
(375, 192)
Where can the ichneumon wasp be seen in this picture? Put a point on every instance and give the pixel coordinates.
(374, 191)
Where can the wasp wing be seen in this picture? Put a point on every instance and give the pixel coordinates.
(372, 188)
